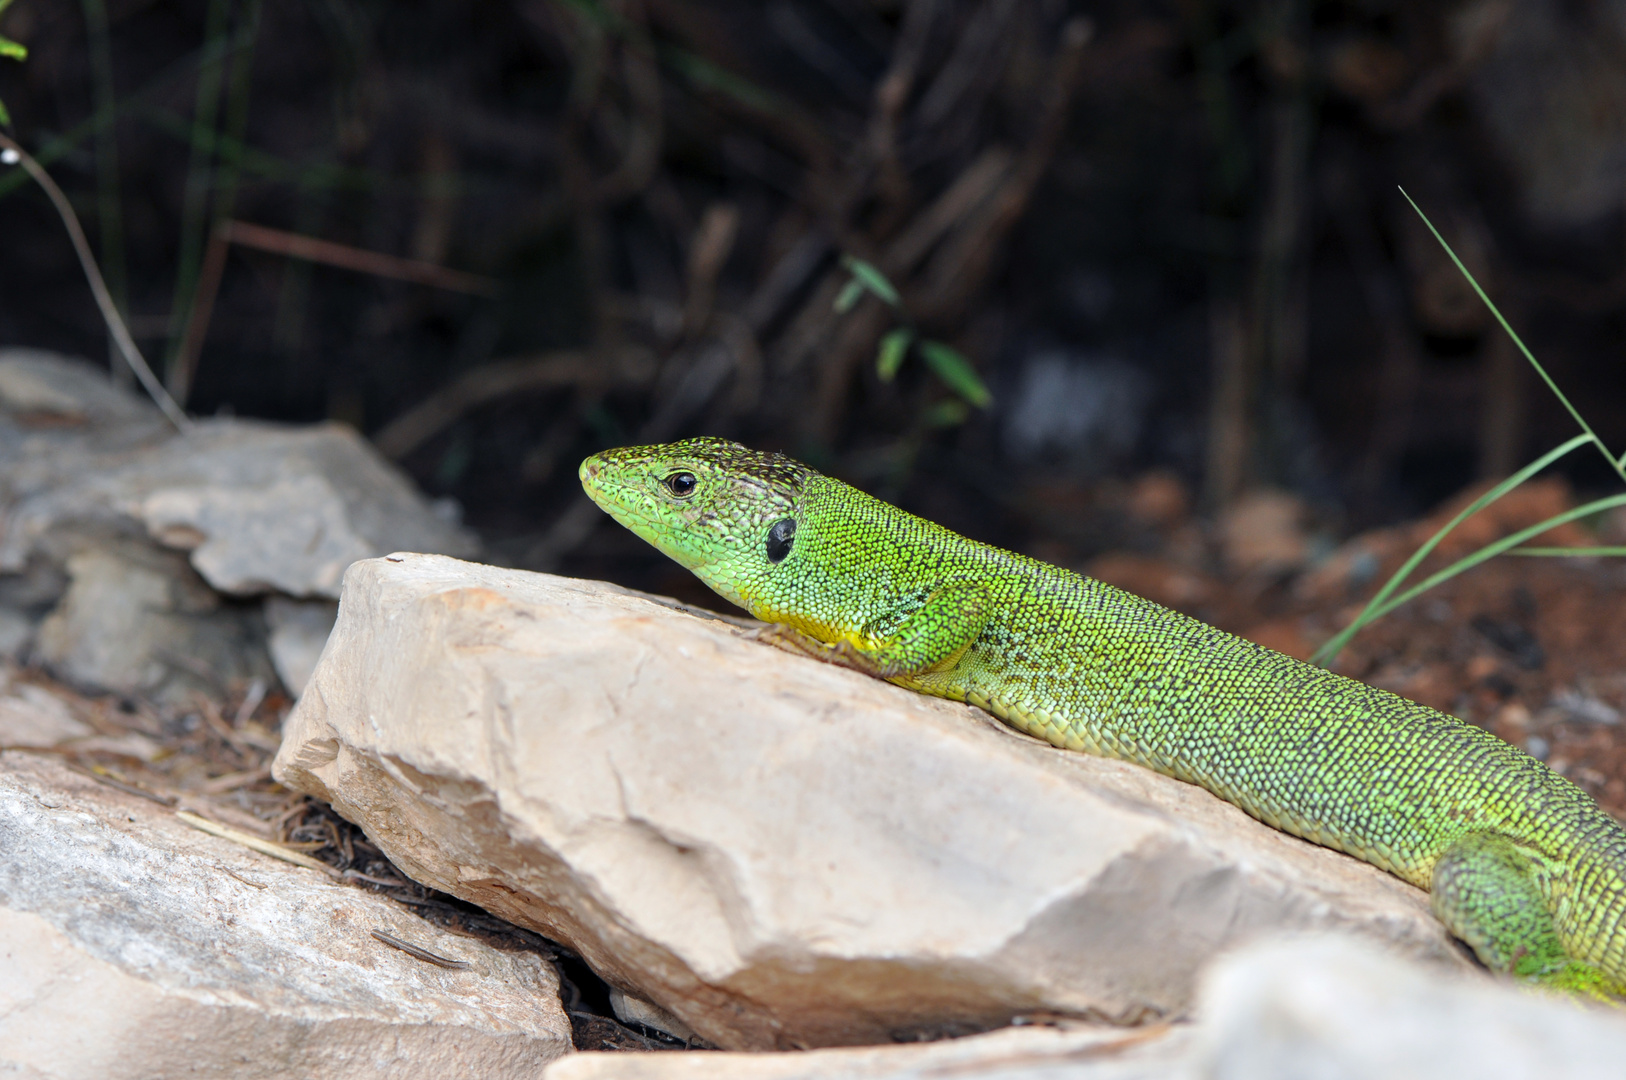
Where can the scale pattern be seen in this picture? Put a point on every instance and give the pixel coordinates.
(1089, 667)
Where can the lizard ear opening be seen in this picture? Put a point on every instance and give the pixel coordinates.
(779, 539)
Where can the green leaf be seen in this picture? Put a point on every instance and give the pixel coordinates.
(848, 296)
(17, 51)
(873, 279)
(956, 372)
(889, 357)
(707, 75)
(950, 412)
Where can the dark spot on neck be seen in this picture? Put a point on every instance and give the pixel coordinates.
(779, 539)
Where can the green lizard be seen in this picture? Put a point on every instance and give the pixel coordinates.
(1522, 865)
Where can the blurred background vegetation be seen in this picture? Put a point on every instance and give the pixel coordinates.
(496, 235)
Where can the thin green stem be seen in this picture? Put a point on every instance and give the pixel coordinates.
(98, 287)
(237, 98)
(109, 211)
(1567, 552)
(183, 368)
(1490, 551)
(62, 145)
(1618, 466)
(195, 203)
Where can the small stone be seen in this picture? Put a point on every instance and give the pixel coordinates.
(16, 632)
(299, 631)
(635, 1010)
(139, 620)
(33, 716)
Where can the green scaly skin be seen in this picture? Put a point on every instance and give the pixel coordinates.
(1522, 865)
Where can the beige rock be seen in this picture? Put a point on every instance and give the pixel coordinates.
(1284, 1009)
(1322, 1006)
(779, 852)
(132, 947)
(1073, 1052)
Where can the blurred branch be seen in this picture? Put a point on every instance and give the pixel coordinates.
(962, 231)
(309, 249)
(104, 300)
(962, 267)
(345, 257)
(568, 367)
(713, 241)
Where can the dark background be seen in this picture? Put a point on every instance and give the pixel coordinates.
(1169, 236)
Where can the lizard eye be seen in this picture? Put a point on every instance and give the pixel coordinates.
(680, 484)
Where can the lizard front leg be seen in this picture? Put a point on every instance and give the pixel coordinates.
(930, 638)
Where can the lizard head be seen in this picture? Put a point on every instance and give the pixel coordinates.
(719, 509)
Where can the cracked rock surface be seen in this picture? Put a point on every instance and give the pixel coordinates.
(778, 852)
(133, 946)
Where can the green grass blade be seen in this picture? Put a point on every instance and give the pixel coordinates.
(956, 372)
(848, 296)
(1490, 551)
(56, 147)
(1567, 552)
(889, 357)
(1329, 651)
(873, 279)
(17, 51)
(1618, 466)
(950, 412)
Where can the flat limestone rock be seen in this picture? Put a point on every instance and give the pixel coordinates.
(133, 946)
(779, 852)
(1021, 1053)
(1284, 1009)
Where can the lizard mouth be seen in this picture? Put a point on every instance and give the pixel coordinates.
(599, 486)
(628, 506)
